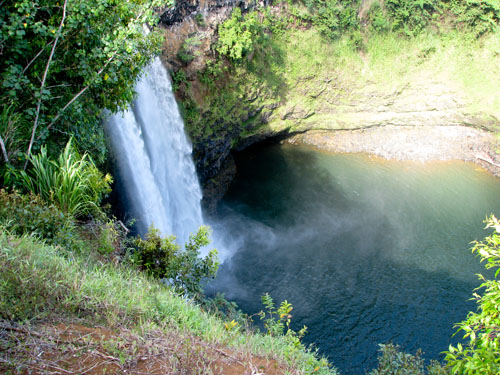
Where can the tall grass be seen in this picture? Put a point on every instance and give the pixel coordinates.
(37, 281)
(72, 181)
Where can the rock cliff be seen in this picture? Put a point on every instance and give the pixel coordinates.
(300, 82)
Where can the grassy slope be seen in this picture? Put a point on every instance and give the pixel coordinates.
(41, 283)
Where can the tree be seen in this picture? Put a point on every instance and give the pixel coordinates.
(238, 34)
(481, 355)
(63, 62)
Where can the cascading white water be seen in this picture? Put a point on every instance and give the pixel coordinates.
(153, 158)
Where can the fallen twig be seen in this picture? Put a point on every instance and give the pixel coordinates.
(487, 160)
(22, 330)
(123, 226)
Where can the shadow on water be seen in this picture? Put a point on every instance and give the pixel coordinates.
(349, 312)
(366, 252)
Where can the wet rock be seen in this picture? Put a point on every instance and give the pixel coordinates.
(215, 188)
(179, 12)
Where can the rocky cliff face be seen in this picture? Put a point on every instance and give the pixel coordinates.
(185, 9)
(190, 31)
(258, 100)
(196, 19)
(429, 102)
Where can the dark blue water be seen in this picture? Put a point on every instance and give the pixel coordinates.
(367, 251)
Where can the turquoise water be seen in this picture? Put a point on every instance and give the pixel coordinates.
(367, 251)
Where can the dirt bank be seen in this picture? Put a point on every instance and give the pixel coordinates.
(69, 348)
(422, 143)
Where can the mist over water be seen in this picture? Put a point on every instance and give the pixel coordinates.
(367, 251)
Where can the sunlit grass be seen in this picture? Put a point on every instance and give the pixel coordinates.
(307, 53)
(38, 282)
(467, 66)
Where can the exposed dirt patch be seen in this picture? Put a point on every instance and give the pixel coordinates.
(417, 143)
(70, 348)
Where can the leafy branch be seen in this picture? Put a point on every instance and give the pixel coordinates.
(481, 355)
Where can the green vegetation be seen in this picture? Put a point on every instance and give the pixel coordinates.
(481, 354)
(40, 281)
(184, 269)
(187, 52)
(94, 273)
(72, 182)
(28, 213)
(479, 16)
(392, 361)
(238, 34)
(277, 320)
(281, 68)
(331, 18)
(62, 64)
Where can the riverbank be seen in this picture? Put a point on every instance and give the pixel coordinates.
(422, 143)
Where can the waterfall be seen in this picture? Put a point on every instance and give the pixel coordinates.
(153, 159)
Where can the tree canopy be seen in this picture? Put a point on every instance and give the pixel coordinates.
(62, 62)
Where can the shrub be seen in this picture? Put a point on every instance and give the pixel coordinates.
(238, 34)
(394, 362)
(200, 20)
(481, 355)
(104, 236)
(29, 214)
(331, 17)
(481, 16)
(226, 310)
(356, 40)
(377, 19)
(178, 78)
(334, 17)
(73, 182)
(183, 269)
(188, 52)
(411, 17)
(277, 323)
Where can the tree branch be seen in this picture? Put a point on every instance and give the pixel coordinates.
(39, 104)
(82, 91)
(36, 56)
(4, 150)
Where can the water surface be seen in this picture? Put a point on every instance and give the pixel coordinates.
(367, 251)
